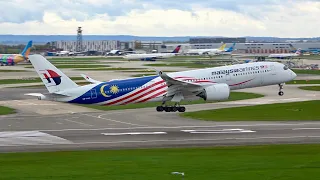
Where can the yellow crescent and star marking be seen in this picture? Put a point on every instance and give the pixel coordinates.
(102, 91)
(113, 89)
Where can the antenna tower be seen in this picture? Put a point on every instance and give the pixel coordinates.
(79, 40)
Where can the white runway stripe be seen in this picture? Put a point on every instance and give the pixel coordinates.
(23, 138)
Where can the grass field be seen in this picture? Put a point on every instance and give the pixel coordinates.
(310, 88)
(73, 66)
(107, 69)
(31, 80)
(6, 110)
(77, 58)
(234, 96)
(307, 110)
(188, 65)
(306, 71)
(285, 162)
(42, 85)
(312, 81)
(8, 70)
(140, 75)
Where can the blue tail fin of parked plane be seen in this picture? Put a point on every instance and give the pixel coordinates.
(26, 51)
(230, 49)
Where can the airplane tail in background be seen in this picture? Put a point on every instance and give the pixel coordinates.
(230, 49)
(298, 52)
(26, 51)
(53, 78)
(222, 47)
(177, 49)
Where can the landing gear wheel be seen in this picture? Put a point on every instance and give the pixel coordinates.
(181, 109)
(159, 108)
(174, 109)
(168, 109)
(280, 93)
(280, 90)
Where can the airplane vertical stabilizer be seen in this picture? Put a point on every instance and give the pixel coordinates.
(222, 47)
(26, 51)
(53, 78)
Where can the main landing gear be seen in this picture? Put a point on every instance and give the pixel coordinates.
(280, 90)
(174, 108)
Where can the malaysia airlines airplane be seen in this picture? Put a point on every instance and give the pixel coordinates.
(286, 55)
(208, 51)
(210, 84)
(153, 56)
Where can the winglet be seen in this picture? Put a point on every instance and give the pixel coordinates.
(159, 72)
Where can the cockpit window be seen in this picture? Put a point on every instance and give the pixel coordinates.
(285, 67)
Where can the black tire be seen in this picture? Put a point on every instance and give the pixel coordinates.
(181, 109)
(159, 108)
(174, 109)
(280, 93)
(167, 109)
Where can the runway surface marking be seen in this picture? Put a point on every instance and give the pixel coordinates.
(179, 127)
(22, 138)
(84, 124)
(134, 133)
(217, 131)
(100, 117)
(306, 129)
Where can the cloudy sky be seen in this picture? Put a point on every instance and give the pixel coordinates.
(285, 18)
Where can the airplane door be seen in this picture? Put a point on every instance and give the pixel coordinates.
(93, 94)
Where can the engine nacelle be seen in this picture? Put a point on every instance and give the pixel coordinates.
(215, 92)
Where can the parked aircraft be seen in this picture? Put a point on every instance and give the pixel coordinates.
(210, 84)
(12, 59)
(226, 51)
(286, 55)
(208, 51)
(153, 56)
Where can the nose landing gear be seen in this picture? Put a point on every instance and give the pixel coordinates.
(280, 90)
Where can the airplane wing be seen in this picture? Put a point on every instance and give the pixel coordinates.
(178, 89)
(90, 79)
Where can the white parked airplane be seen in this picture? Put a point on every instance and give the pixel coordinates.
(286, 55)
(220, 50)
(153, 56)
(210, 84)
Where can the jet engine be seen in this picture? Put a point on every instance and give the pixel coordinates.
(215, 92)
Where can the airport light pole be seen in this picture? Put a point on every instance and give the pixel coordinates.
(178, 173)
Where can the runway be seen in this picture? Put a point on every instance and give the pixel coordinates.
(146, 137)
(50, 126)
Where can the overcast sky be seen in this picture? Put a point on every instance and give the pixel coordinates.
(282, 18)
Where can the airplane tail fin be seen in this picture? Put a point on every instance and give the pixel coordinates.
(53, 78)
(177, 49)
(26, 51)
(222, 47)
(230, 49)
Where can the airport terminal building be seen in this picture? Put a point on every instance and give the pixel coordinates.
(195, 43)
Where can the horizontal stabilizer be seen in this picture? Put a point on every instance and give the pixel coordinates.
(34, 94)
(90, 79)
